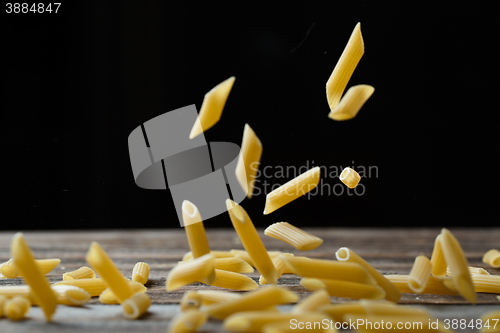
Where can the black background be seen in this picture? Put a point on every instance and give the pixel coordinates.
(76, 83)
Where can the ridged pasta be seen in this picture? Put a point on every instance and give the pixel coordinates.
(93, 286)
(312, 302)
(71, 295)
(140, 273)
(9, 270)
(352, 102)
(81, 273)
(293, 236)
(243, 255)
(198, 269)
(492, 258)
(248, 160)
(434, 286)
(437, 259)
(17, 307)
(419, 274)
(279, 264)
(235, 265)
(486, 283)
(339, 288)
(187, 322)
(109, 297)
(195, 231)
(472, 270)
(216, 254)
(235, 281)
(135, 306)
(350, 177)
(194, 299)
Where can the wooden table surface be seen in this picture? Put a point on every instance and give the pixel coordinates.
(392, 251)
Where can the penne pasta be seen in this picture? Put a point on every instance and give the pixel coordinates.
(344, 68)
(350, 177)
(492, 258)
(419, 274)
(312, 302)
(212, 106)
(140, 273)
(11, 291)
(17, 307)
(136, 306)
(216, 254)
(195, 231)
(292, 190)
(199, 269)
(437, 259)
(491, 322)
(293, 236)
(243, 255)
(194, 299)
(352, 102)
(93, 286)
(187, 322)
(279, 264)
(251, 301)
(248, 161)
(391, 292)
(235, 265)
(105, 267)
(472, 270)
(486, 283)
(81, 273)
(9, 270)
(109, 297)
(434, 285)
(455, 258)
(71, 295)
(235, 281)
(33, 276)
(251, 241)
(339, 310)
(329, 269)
(339, 288)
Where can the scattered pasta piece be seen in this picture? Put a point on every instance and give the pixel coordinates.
(434, 286)
(298, 238)
(419, 274)
(342, 72)
(493, 320)
(194, 299)
(105, 267)
(109, 297)
(195, 231)
(235, 265)
(187, 322)
(235, 281)
(25, 263)
(455, 258)
(437, 259)
(9, 270)
(279, 264)
(136, 306)
(71, 295)
(292, 190)
(11, 291)
(486, 283)
(199, 269)
(339, 310)
(81, 273)
(93, 286)
(17, 307)
(251, 241)
(248, 160)
(243, 255)
(350, 177)
(312, 302)
(472, 270)
(352, 102)
(339, 288)
(492, 258)
(212, 106)
(392, 293)
(140, 273)
(216, 254)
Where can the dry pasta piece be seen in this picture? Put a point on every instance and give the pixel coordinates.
(231, 280)
(293, 236)
(11, 291)
(17, 307)
(140, 273)
(248, 160)
(136, 306)
(419, 274)
(9, 270)
(338, 311)
(486, 283)
(352, 102)
(492, 258)
(472, 270)
(194, 299)
(212, 106)
(256, 300)
(455, 258)
(243, 255)
(105, 267)
(339, 288)
(434, 286)
(71, 295)
(437, 259)
(33, 276)
(342, 72)
(81, 273)
(312, 302)
(235, 265)
(93, 286)
(280, 266)
(199, 269)
(109, 297)
(216, 254)
(187, 322)
(251, 241)
(329, 269)
(350, 177)
(493, 320)
(292, 190)
(195, 231)
(391, 292)
(3, 298)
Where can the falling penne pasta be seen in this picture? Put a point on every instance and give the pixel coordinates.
(25, 263)
(293, 236)
(339, 288)
(342, 72)
(16, 308)
(392, 293)
(235, 265)
(71, 295)
(419, 274)
(248, 160)
(215, 254)
(81, 273)
(434, 286)
(140, 273)
(251, 241)
(109, 297)
(195, 231)
(93, 286)
(199, 269)
(279, 264)
(350, 177)
(312, 302)
(472, 270)
(235, 281)
(136, 306)
(188, 321)
(212, 106)
(105, 267)
(486, 283)
(492, 258)
(292, 190)
(455, 258)
(194, 299)
(352, 102)
(438, 262)
(9, 270)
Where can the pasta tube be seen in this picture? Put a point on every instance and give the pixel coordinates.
(312, 302)
(492, 258)
(455, 258)
(352, 102)
(187, 322)
(243, 255)
(93, 286)
(9, 270)
(419, 274)
(345, 289)
(194, 299)
(279, 264)
(486, 283)
(199, 269)
(109, 297)
(342, 72)
(391, 292)
(81, 273)
(235, 265)
(472, 270)
(212, 106)
(17, 307)
(338, 311)
(216, 254)
(251, 241)
(33, 276)
(434, 285)
(235, 281)
(140, 273)
(11, 291)
(437, 259)
(292, 190)
(71, 295)
(105, 267)
(195, 231)
(248, 160)
(350, 177)
(293, 236)
(136, 306)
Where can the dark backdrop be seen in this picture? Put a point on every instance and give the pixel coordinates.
(76, 83)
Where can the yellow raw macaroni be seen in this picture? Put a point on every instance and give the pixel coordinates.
(193, 299)
(293, 236)
(472, 270)
(71, 295)
(434, 286)
(312, 302)
(248, 160)
(216, 254)
(17, 307)
(339, 288)
(352, 102)
(187, 322)
(212, 106)
(292, 190)
(195, 231)
(243, 255)
(109, 297)
(11, 291)
(136, 306)
(93, 286)
(140, 273)
(9, 270)
(231, 280)
(419, 274)
(279, 264)
(486, 283)
(236, 265)
(81, 273)
(437, 259)
(199, 269)
(350, 177)
(492, 258)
